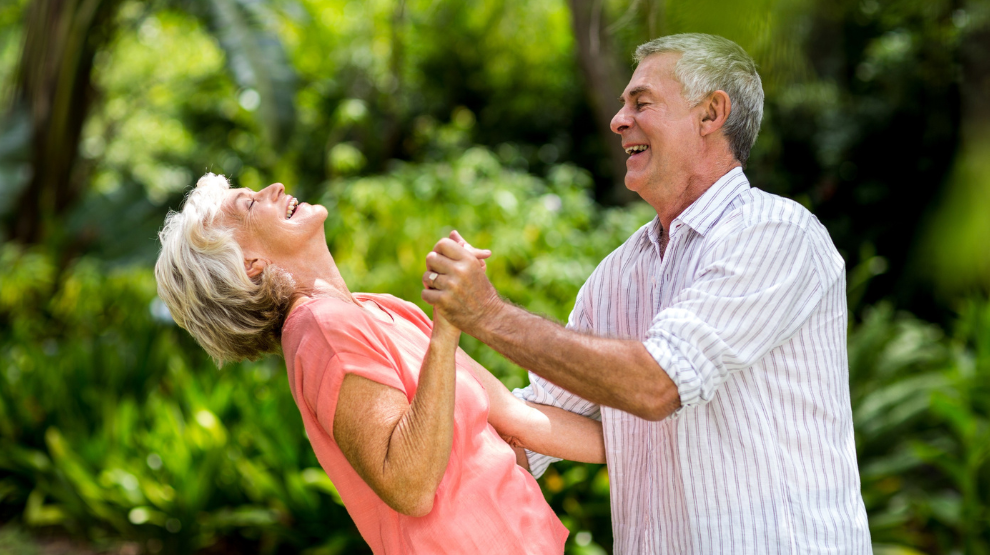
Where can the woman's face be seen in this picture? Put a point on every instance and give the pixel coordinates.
(271, 224)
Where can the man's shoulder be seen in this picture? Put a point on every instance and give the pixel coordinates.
(754, 210)
(756, 206)
(757, 211)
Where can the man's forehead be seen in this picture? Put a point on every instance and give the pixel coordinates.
(651, 71)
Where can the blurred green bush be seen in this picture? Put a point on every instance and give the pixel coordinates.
(116, 425)
(921, 406)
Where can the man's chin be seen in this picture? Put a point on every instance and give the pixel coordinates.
(634, 183)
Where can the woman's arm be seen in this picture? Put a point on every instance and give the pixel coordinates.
(401, 449)
(544, 429)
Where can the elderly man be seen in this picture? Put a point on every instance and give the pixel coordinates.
(712, 342)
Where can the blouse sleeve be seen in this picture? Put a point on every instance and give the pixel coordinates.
(351, 344)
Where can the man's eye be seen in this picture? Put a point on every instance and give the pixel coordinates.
(639, 105)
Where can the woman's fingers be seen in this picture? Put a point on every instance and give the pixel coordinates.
(431, 296)
(478, 253)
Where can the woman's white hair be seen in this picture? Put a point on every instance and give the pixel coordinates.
(203, 282)
(710, 63)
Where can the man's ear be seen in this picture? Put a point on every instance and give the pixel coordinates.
(254, 266)
(716, 110)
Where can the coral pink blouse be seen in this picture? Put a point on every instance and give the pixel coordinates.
(486, 503)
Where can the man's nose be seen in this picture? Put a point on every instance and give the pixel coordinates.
(621, 121)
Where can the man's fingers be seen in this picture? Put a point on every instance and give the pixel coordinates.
(452, 249)
(439, 263)
(479, 253)
(429, 279)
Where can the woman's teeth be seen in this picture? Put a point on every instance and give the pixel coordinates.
(291, 209)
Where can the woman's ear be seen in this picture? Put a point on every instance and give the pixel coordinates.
(254, 266)
(717, 108)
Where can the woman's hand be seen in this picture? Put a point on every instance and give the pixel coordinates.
(479, 254)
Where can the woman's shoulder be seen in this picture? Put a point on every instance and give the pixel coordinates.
(337, 322)
(404, 308)
(324, 309)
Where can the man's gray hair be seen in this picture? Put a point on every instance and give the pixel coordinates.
(202, 280)
(710, 63)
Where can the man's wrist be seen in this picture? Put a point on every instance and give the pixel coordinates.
(490, 318)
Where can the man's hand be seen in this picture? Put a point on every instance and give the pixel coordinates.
(455, 282)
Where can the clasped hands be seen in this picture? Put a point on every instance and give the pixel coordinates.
(456, 285)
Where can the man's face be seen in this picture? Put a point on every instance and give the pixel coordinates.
(659, 130)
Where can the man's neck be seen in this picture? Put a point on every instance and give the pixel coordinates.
(682, 195)
(664, 239)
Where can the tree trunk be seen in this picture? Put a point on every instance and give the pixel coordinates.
(605, 79)
(54, 86)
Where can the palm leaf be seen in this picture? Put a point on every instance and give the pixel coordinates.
(256, 59)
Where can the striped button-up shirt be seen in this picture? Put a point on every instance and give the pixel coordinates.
(746, 312)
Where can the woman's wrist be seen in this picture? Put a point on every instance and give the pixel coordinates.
(443, 330)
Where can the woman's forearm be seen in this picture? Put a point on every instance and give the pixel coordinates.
(419, 446)
(548, 430)
(562, 434)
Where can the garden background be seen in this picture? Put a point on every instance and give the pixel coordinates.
(408, 118)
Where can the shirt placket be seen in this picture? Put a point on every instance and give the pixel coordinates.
(658, 280)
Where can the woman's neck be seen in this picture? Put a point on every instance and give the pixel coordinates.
(318, 277)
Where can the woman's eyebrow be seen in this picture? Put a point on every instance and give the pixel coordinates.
(235, 202)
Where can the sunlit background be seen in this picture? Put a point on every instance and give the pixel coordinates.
(407, 119)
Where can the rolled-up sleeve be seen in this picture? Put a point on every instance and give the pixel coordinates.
(543, 392)
(755, 288)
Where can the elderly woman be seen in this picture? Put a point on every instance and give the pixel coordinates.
(406, 425)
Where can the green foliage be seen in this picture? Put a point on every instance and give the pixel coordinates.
(921, 405)
(546, 234)
(15, 542)
(114, 423)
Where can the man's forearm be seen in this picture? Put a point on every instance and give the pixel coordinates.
(612, 372)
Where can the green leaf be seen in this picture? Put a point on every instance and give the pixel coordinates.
(257, 61)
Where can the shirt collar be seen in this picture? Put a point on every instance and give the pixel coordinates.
(704, 212)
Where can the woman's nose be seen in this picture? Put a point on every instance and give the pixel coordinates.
(274, 190)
